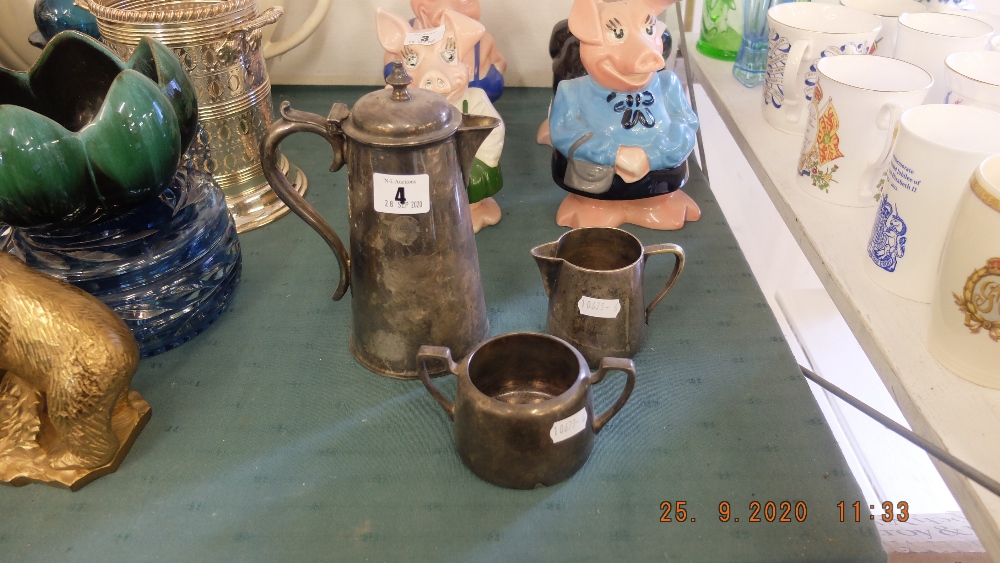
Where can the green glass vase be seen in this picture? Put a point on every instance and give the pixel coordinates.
(721, 29)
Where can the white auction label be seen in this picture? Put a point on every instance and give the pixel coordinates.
(569, 427)
(601, 308)
(402, 194)
(424, 36)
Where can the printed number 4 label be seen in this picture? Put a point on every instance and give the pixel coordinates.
(402, 194)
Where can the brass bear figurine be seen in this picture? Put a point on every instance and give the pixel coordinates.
(67, 413)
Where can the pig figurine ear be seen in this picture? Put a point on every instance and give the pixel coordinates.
(391, 30)
(467, 31)
(585, 21)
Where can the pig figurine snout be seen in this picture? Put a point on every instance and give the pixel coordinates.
(442, 82)
(649, 62)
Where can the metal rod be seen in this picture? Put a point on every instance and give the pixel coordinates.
(690, 84)
(922, 443)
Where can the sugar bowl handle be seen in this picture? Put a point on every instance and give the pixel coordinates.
(665, 248)
(294, 121)
(442, 354)
(609, 365)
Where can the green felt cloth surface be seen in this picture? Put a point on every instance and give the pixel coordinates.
(269, 442)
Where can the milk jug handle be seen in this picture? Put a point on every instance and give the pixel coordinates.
(294, 121)
(665, 248)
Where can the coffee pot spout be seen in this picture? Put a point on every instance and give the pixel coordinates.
(472, 133)
(548, 264)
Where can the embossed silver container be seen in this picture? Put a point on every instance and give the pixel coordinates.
(219, 44)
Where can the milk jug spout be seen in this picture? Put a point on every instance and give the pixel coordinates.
(548, 264)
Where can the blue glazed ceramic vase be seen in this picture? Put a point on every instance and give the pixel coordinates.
(168, 267)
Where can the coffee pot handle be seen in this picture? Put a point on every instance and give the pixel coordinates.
(665, 248)
(442, 354)
(609, 365)
(294, 121)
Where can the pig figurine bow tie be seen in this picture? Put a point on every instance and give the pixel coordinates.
(635, 109)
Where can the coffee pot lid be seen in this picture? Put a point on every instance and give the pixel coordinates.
(401, 116)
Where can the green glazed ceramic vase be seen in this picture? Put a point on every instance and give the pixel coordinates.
(87, 137)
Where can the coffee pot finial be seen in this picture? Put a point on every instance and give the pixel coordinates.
(399, 80)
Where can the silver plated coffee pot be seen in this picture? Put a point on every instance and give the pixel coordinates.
(413, 267)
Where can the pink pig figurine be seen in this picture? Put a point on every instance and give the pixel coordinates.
(622, 133)
(485, 62)
(434, 61)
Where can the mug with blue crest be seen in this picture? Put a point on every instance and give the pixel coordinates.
(936, 151)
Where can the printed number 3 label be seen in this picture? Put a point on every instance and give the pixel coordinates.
(402, 194)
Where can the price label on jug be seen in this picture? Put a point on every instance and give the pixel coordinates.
(402, 194)
(569, 427)
(600, 308)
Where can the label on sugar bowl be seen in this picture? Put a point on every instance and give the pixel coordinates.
(568, 427)
(600, 308)
(402, 194)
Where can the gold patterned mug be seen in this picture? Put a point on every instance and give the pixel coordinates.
(965, 313)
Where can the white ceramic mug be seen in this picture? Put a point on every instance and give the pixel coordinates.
(992, 19)
(926, 39)
(973, 78)
(965, 313)
(937, 148)
(888, 11)
(841, 152)
(295, 38)
(800, 34)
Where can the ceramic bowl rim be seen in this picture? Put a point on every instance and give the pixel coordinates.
(791, 7)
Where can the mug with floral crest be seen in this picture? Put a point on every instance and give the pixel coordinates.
(853, 115)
